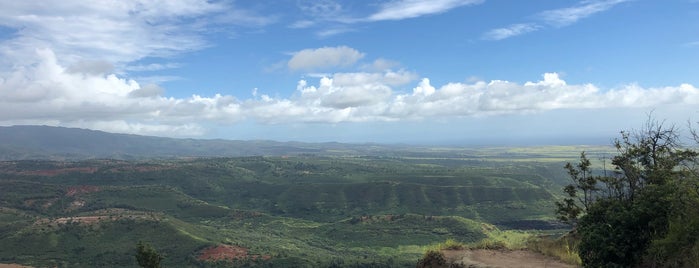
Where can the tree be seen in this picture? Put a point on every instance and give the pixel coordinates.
(580, 193)
(635, 217)
(146, 256)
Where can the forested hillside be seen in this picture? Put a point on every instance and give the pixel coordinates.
(302, 210)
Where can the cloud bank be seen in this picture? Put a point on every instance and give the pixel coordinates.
(45, 92)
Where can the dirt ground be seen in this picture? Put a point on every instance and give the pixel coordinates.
(6, 265)
(503, 259)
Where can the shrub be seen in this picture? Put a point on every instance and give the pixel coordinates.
(452, 244)
(432, 259)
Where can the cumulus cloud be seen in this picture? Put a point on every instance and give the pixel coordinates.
(333, 101)
(406, 9)
(322, 58)
(45, 92)
(147, 91)
(62, 63)
(91, 67)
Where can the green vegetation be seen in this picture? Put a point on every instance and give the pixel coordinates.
(646, 213)
(452, 244)
(564, 248)
(146, 256)
(300, 211)
(432, 258)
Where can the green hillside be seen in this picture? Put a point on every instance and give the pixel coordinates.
(299, 210)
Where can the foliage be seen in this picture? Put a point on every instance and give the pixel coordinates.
(432, 259)
(640, 215)
(301, 211)
(146, 256)
(452, 244)
(583, 183)
(490, 244)
(564, 248)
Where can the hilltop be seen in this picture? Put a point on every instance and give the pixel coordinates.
(45, 142)
(61, 143)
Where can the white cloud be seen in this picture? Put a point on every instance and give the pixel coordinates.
(120, 126)
(333, 102)
(388, 77)
(406, 9)
(44, 92)
(63, 67)
(301, 24)
(91, 67)
(380, 65)
(556, 17)
(510, 31)
(334, 31)
(147, 91)
(111, 31)
(323, 58)
(566, 16)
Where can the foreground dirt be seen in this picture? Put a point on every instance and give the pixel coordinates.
(482, 258)
(11, 265)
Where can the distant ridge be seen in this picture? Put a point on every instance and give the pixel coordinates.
(61, 143)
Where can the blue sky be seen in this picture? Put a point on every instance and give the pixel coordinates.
(430, 72)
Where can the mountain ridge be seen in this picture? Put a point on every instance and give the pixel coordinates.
(25, 142)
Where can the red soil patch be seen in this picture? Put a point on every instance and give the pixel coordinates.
(12, 265)
(228, 253)
(82, 189)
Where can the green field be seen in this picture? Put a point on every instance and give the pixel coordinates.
(304, 210)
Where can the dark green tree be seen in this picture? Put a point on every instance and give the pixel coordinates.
(634, 218)
(580, 193)
(146, 256)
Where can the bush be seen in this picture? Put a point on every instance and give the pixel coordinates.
(564, 248)
(432, 259)
(490, 244)
(452, 244)
(146, 256)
